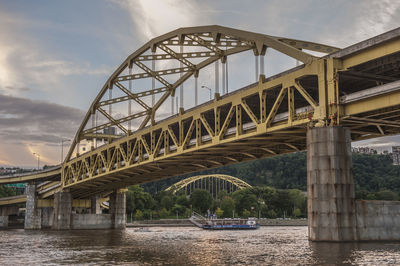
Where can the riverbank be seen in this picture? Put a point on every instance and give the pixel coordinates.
(187, 223)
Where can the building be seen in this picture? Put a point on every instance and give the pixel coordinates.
(364, 150)
(396, 155)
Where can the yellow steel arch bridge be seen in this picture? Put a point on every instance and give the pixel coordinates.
(131, 141)
(213, 183)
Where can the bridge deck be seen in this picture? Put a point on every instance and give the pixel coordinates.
(53, 173)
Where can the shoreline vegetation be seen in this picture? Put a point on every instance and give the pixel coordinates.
(187, 223)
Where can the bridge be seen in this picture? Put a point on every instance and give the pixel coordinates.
(214, 183)
(320, 105)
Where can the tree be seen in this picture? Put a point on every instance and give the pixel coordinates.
(227, 206)
(138, 215)
(271, 214)
(201, 200)
(386, 195)
(246, 213)
(219, 212)
(163, 213)
(181, 210)
(297, 212)
(244, 200)
(283, 203)
(137, 199)
(6, 191)
(298, 200)
(183, 200)
(167, 202)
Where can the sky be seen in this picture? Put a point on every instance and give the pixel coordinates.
(56, 55)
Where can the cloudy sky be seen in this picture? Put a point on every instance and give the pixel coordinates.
(56, 55)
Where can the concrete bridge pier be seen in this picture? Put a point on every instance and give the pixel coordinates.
(62, 210)
(33, 214)
(118, 209)
(330, 185)
(5, 212)
(95, 205)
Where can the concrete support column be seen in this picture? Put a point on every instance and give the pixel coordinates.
(95, 205)
(118, 209)
(62, 210)
(32, 213)
(3, 221)
(47, 217)
(330, 185)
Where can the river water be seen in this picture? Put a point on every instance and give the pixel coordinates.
(186, 246)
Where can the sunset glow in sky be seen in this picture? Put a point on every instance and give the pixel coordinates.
(56, 55)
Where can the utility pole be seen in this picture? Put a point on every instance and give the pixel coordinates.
(209, 89)
(62, 149)
(38, 159)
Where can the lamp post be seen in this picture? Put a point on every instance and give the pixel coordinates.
(209, 89)
(38, 159)
(62, 148)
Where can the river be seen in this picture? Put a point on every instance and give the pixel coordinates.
(277, 245)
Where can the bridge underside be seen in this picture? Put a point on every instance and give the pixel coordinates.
(265, 145)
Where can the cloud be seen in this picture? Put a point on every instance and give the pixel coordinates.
(359, 20)
(27, 61)
(28, 121)
(380, 144)
(155, 17)
(22, 67)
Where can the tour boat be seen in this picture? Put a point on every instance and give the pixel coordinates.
(223, 224)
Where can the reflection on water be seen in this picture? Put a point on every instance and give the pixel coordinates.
(268, 245)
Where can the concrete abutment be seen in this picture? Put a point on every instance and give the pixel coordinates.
(333, 212)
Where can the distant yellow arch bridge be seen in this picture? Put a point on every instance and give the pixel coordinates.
(213, 183)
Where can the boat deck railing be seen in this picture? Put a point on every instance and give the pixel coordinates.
(198, 220)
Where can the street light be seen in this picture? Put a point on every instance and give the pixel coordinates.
(209, 89)
(38, 159)
(62, 148)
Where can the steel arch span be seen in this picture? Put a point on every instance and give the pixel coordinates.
(168, 67)
(212, 183)
(356, 87)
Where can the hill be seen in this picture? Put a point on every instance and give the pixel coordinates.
(372, 173)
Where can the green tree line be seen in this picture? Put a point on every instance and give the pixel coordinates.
(7, 192)
(259, 201)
